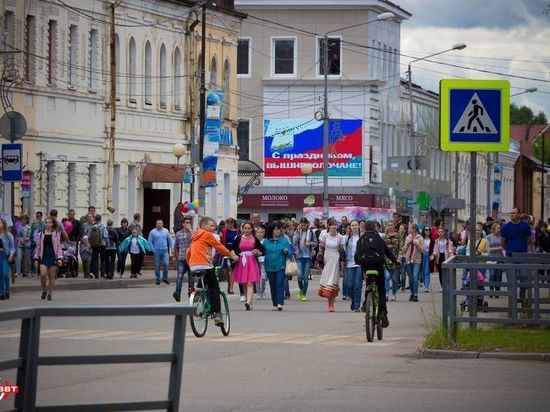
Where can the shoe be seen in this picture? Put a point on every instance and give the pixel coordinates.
(176, 296)
(384, 322)
(44, 294)
(218, 320)
(274, 309)
(344, 298)
(247, 306)
(166, 281)
(393, 297)
(139, 274)
(287, 295)
(357, 310)
(411, 298)
(157, 282)
(415, 299)
(299, 295)
(304, 298)
(7, 296)
(2, 297)
(331, 307)
(242, 299)
(421, 284)
(426, 290)
(402, 289)
(49, 297)
(279, 307)
(387, 297)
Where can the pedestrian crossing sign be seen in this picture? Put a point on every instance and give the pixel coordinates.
(474, 115)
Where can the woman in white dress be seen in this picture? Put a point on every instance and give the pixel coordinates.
(331, 243)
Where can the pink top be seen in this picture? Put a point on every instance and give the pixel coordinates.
(56, 241)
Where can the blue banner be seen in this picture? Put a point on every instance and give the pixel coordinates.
(212, 135)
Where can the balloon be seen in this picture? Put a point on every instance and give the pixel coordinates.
(196, 203)
(191, 206)
(185, 207)
(191, 213)
(68, 226)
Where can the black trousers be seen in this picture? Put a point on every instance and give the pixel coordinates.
(98, 258)
(109, 262)
(136, 260)
(381, 284)
(213, 287)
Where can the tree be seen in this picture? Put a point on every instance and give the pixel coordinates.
(524, 115)
(537, 147)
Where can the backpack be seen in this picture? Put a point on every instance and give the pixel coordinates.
(370, 249)
(111, 243)
(95, 237)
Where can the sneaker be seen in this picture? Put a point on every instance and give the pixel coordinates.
(247, 306)
(304, 298)
(411, 298)
(259, 296)
(242, 298)
(415, 299)
(44, 294)
(393, 297)
(287, 296)
(176, 296)
(426, 290)
(166, 281)
(218, 320)
(387, 297)
(344, 298)
(49, 297)
(384, 322)
(279, 307)
(299, 295)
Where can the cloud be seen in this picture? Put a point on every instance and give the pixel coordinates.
(473, 13)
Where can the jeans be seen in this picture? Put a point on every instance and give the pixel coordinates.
(413, 269)
(23, 259)
(287, 286)
(426, 270)
(355, 285)
(161, 257)
(495, 275)
(213, 288)
(393, 275)
(32, 263)
(98, 256)
(183, 268)
(403, 274)
(304, 266)
(121, 262)
(277, 286)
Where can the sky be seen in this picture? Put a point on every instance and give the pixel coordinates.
(511, 37)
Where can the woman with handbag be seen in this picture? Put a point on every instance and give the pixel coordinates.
(331, 243)
(247, 269)
(50, 255)
(276, 250)
(304, 242)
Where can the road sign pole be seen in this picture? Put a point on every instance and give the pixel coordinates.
(473, 203)
(13, 138)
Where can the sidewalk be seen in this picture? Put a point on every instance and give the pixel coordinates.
(79, 283)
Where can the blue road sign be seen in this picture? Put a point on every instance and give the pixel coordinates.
(12, 167)
(474, 115)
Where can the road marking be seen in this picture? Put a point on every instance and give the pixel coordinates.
(286, 338)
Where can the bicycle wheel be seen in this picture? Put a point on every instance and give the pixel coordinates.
(369, 317)
(379, 330)
(224, 310)
(199, 319)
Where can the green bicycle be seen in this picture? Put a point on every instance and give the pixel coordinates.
(372, 311)
(200, 298)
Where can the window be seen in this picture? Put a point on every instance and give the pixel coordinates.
(226, 105)
(148, 74)
(213, 73)
(52, 51)
(177, 79)
(284, 56)
(243, 57)
(9, 43)
(73, 55)
(243, 139)
(162, 83)
(334, 56)
(93, 62)
(30, 48)
(132, 71)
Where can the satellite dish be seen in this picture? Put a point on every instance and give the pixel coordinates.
(13, 126)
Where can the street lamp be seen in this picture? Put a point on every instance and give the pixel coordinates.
(179, 150)
(529, 90)
(380, 17)
(458, 46)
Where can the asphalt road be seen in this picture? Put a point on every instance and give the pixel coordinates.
(300, 359)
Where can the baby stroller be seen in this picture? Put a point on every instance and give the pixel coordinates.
(69, 266)
(480, 301)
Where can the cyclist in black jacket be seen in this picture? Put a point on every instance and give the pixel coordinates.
(370, 254)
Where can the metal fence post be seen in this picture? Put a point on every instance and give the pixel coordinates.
(452, 293)
(445, 298)
(176, 367)
(25, 341)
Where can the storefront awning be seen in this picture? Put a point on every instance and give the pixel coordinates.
(163, 173)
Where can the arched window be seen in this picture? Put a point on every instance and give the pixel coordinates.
(177, 79)
(226, 105)
(163, 79)
(148, 74)
(117, 64)
(132, 70)
(213, 73)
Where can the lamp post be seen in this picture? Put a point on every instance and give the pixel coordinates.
(380, 17)
(179, 150)
(529, 90)
(543, 137)
(458, 46)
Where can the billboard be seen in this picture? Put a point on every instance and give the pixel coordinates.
(291, 143)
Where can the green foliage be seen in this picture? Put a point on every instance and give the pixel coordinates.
(524, 115)
(537, 147)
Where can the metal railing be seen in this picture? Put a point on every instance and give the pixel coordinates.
(28, 359)
(526, 276)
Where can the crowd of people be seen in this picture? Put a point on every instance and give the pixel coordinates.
(253, 253)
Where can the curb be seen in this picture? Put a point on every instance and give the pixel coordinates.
(426, 353)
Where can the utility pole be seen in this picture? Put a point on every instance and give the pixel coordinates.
(202, 102)
(325, 133)
(489, 164)
(112, 129)
(412, 136)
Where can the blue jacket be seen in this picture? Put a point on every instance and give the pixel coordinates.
(142, 243)
(275, 256)
(8, 244)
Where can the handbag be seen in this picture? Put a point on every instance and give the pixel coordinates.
(291, 267)
(320, 259)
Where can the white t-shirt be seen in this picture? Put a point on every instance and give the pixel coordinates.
(350, 250)
(427, 245)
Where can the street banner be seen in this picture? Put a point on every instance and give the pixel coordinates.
(290, 144)
(359, 213)
(212, 134)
